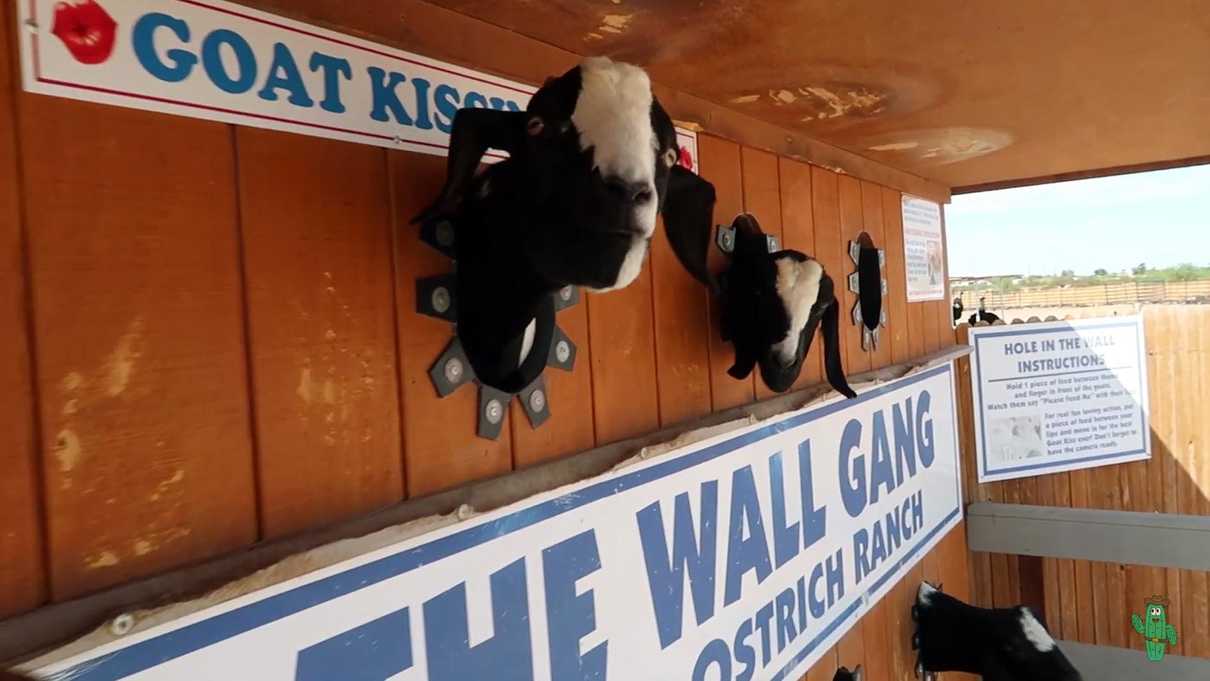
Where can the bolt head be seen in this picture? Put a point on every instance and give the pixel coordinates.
(445, 233)
(454, 371)
(565, 293)
(122, 624)
(493, 412)
(562, 352)
(441, 299)
(537, 400)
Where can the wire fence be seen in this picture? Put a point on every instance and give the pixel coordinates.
(1124, 293)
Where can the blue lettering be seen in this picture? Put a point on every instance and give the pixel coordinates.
(745, 654)
(284, 75)
(801, 591)
(924, 429)
(212, 61)
(666, 571)
(835, 572)
(786, 632)
(917, 513)
(386, 97)
(512, 106)
(861, 550)
(333, 68)
(423, 120)
(878, 551)
(785, 537)
(715, 653)
(905, 441)
(764, 617)
(143, 38)
(447, 99)
(818, 606)
(375, 651)
(814, 520)
(882, 472)
(475, 100)
(506, 656)
(852, 478)
(748, 554)
(571, 617)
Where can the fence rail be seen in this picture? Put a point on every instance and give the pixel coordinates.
(1124, 293)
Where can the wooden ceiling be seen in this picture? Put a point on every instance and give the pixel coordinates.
(963, 93)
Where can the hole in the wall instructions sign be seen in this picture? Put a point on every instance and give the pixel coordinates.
(745, 555)
(225, 62)
(923, 250)
(1059, 396)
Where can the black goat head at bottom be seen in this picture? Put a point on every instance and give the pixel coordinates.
(1002, 644)
(772, 304)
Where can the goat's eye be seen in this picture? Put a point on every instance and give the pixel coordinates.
(670, 157)
(535, 126)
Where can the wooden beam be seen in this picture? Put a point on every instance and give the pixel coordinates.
(1157, 539)
(1082, 175)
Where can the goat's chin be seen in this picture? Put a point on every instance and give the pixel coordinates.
(631, 266)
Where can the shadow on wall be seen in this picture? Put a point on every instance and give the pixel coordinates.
(1093, 602)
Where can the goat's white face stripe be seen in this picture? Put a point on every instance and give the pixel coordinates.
(613, 116)
(798, 288)
(632, 265)
(1035, 632)
(925, 595)
(527, 341)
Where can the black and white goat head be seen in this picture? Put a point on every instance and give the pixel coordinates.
(772, 305)
(1003, 644)
(592, 160)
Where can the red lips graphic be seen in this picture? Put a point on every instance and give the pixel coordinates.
(86, 29)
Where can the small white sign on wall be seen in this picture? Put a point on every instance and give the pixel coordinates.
(225, 62)
(1059, 396)
(923, 250)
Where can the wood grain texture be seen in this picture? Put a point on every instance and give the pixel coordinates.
(852, 224)
(621, 334)
(140, 341)
(824, 669)
(898, 329)
(871, 211)
(316, 229)
(762, 198)
(720, 164)
(22, 571)
(570, 426)
(682, 335)
(829, 246)
(441, 449)
(798, 233)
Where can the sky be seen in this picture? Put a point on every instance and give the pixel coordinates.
(1160, 218)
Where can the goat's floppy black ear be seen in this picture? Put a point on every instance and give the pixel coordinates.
(688, 213)
(831, 350)
(474, 132)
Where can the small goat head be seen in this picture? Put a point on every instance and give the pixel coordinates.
(592, 160)
(1004, 644)
(772, 304)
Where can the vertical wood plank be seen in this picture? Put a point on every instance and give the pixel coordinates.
(682, 336)
(918, 341)
(622, 345)
(569, 428)
(23, 580)
(824, 669)
(317, 253)
(852, 224)
(900, 626)
(138, 323)
(798, 233)
(874, 631)
(720, 164)
(871, 210)
(762, 198)
(829, 246)
(850, 652)
(441, 449)
(898, 328)
(1195, 586)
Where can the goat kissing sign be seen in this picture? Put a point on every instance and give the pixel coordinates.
(744, 556)
(225, 62)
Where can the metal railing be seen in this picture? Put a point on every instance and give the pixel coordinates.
(1123, 293)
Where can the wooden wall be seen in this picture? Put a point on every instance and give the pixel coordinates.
(1092, 602)
(213, 341)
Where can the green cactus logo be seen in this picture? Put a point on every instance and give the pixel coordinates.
(1154, 627)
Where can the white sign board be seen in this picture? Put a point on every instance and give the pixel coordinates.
(923, 250)
(226, 62)
(1059, 396)
(744, 556)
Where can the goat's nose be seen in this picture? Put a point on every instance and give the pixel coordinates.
(637, 193)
